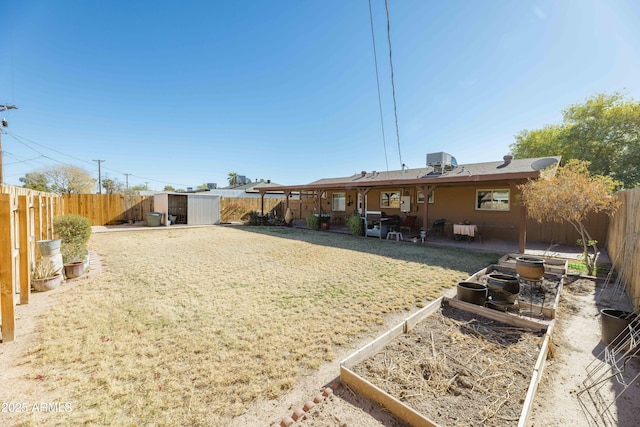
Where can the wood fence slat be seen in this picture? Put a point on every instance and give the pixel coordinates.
(23, 241)
(108, 209)
(7, 302)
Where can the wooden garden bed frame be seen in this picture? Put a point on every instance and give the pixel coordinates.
(362, 386)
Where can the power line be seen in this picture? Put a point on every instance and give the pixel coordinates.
(22, 140)
(375, 59)
(395, 109)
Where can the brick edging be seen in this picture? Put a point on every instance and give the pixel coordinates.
(299, 413)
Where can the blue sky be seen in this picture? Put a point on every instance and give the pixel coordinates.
(182, 93)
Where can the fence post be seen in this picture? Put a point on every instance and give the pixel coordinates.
(7, 302)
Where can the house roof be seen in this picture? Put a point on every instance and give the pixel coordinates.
(515, 169)
(251, 186)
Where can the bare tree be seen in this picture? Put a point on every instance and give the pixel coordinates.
(571, 194)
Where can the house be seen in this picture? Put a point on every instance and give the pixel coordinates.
(483, 194)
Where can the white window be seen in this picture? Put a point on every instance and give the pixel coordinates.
(492, 200)
(338, 200)
(390, 200)
(421, 197)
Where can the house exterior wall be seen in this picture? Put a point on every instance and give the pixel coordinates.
(458, 204)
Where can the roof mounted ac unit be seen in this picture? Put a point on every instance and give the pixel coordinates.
(441, 161)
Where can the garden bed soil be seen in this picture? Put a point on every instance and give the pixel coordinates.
(455, 367)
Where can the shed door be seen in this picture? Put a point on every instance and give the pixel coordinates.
(178, 207)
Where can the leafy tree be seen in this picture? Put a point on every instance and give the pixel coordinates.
(202, 186)
(233, 178)
(67, 179)
(112, 186)
(140, 187)
(35, 181)
(571, 194)
(169, 188)
(604, 131)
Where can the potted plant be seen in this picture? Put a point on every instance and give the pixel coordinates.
(325, 220)
(45, 277)
(74, 231)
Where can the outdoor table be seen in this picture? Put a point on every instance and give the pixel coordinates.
(469, 230)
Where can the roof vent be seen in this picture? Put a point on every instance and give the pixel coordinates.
(363, 174)
(507, 159)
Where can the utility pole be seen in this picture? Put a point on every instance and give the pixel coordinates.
(99, 176)
(4, 125)
(127, 179)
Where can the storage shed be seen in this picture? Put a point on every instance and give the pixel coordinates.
(187, 208)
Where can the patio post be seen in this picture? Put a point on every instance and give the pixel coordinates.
(522, 231)
(426, 190)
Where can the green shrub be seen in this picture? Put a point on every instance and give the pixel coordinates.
(74, 231)
(355, 224)
(312, 222)
(254, 218)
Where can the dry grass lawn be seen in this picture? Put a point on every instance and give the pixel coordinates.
(192, 326)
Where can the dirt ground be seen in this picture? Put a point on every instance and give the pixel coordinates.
(576, 345)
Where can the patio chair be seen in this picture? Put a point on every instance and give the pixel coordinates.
(408, 223)
(438, 226)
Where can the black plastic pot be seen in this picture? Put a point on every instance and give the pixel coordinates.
(503, 287)
(475, 293)
(614, 325)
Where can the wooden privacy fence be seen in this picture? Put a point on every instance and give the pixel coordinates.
(622, 248)
(108, 209)
(233, 209)
(25, 217)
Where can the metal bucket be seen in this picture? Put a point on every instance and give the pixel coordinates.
(49, 247)
(475, 293)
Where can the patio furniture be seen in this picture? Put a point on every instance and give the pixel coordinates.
(469, 231)
(396, 235)
(438, 226)
(408, 223)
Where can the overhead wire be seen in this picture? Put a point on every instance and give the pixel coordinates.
(22, 140)
(375, 59)
(393, 87)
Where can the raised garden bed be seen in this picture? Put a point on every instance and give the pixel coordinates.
(453, 363)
